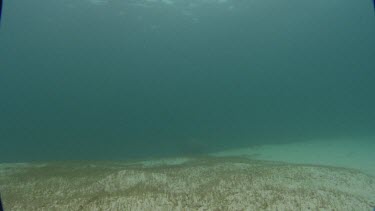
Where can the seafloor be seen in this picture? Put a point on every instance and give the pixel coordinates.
(195, 183)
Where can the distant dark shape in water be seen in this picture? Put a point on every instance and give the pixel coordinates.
(192, 147)
(1, 9)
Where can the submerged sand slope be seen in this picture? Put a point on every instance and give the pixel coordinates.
(355, 153)
(195, 184)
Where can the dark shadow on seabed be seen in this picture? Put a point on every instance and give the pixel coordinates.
(1, 204)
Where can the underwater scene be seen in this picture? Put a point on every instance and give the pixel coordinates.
(187, 105)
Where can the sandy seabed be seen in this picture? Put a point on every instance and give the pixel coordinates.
(197, 183)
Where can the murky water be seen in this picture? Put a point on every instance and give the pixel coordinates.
(118, 79)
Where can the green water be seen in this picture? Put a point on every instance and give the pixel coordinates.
(118, 79)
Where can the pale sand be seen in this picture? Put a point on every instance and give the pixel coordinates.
(209, 183)
(345, 152)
